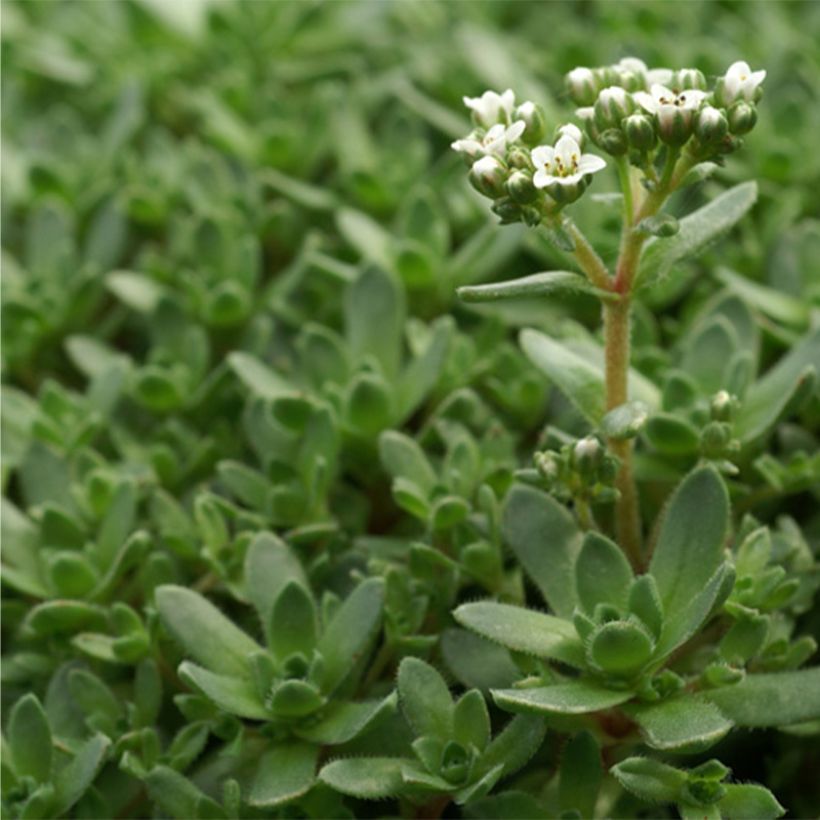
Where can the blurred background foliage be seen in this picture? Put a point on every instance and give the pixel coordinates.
(189, 188)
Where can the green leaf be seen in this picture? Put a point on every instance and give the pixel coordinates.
(620, 648)
(577, 378)
(311, 197)
(697, 231)
(258, 377)
(625, 421)
(65, 617)
(708, 352)
(650, 780)
(580, 775)
(74, 779)
(284, 773)
(350, 632)
(373, 243)
(577, 697)
(369, 404)
(537, 284)
(683, 724)
(477, 662)
(771, 396)
(177, 795)
(471, 720)
(402, 457)
(30, 737)
(645, 603)
(749, 802)
(344, 721)
(294, 622)
(662, 225)
(546, 540)
(523, 630)
(135, 290)
(270, 564)
(602, 573)
(672, 435)
(204, 632)
(513, 747)
(370, 778)
(690, 544)
(118, 522)
(776, 699)
(425, 699)
(234, 695)
(421, 375)
(374, 319)
(773, 303)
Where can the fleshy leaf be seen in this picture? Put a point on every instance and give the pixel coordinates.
(402, 457)
(602, 573)
(577, 697)
(30, 737)
(294, 622)
(524, 630)
(650, 780)
(348, 634)
(425, 699)
(690, 544)
(235, 695)
(546, 540)
(341, 722)
(696, 231)
(477, 662)
(203, 631)
(517, 742)
(580, 775)
(537, 284)
(471, 720)
(75, 778)
(774, 699)
(284, 773)
(749, 802)
(366, 777)
(680, 724)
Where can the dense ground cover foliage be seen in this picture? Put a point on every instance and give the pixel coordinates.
(290, 529)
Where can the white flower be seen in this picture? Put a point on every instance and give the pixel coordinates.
(741, 82)
(660, 99)
(495, 141)
(564, 164)
(614, 96)
(491, 107)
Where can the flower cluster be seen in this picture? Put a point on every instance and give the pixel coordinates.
(526, 180)
(630, 109)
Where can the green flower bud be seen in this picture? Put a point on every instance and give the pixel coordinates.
(582, 85)
(587, 455)
(519, 158)
(674, 124)
(547, 466)
(723, 406)
(715, 438)
(710, 125)
(613, 141)
(742, 117)
(640, 132)
(613, 104)
(532, 116)
(689, 78)
(506, 210)
(488, 176)
(520, 188)
(531, 216)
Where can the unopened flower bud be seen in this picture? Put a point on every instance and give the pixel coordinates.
(612, 105)
(582, 86)
(520, 187)
(570, 130)
(688, 78)
(488, 176)
(565, 193)
(586, 455)
(518, 157)
(640, 132)
(715, 438)
(547, 465)
(507, 211)
(742, 118)
(722, 406)
(711, 125)
(674, 124)
(532, 116)
(613, 141)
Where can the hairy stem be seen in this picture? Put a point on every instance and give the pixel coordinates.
(588, 260)
(626, 187)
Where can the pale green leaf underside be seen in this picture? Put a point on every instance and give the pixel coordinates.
(537, 284)
(343, 721)
(365, 777)
(234, 695)
(697, 230)
(523, 630)
(284, 773)
(680, 723)
(574, 698)
(775, 699)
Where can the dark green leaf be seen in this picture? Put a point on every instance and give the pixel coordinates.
(537, 284)
(284, 773)
(574, 698)
(30, 738)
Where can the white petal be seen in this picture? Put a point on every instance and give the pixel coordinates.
(646, 101)
(739, 69)
(494, 133)
(633, 64)
(571, 130)
(540, 179)
(485, 165)
(691, 98)
(758, 77)
(572, 179)
(467, 146)
(507, 101)
(498, 146)
(590, 163)
(515, 130)
(543, 155)
(585, 113)
(566, 149)
(661, 92)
